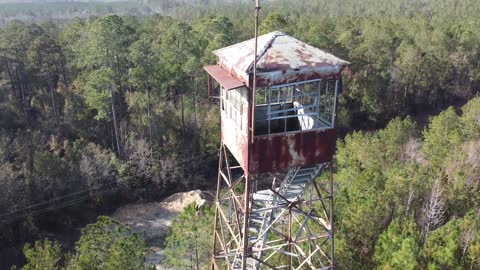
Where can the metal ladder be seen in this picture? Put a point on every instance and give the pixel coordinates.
(266, 206)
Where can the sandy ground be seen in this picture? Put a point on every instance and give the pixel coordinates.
(153, 220)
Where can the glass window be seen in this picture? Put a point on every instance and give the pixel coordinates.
(296, 106)
(233, 105)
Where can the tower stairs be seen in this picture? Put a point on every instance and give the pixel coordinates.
(272, 207)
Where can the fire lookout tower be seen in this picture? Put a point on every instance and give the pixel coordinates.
(274, 209)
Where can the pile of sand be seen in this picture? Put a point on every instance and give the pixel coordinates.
(154, 220)
(178, 201)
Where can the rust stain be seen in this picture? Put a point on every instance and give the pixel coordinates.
(278, 52)
(278, 152)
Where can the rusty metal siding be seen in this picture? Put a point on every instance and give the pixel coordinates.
(276, 153)
(234, 138)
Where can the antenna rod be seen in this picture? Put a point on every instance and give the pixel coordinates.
(254, 87)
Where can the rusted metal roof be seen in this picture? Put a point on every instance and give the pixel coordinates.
(226, 80)
(281, 58)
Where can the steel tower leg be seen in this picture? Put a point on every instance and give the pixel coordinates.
(332, 216)
(230, 232)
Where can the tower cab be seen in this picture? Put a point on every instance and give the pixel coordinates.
(289, 119)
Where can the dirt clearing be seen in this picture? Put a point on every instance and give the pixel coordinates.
(153, 220)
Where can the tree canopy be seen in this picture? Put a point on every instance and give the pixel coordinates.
(98, 111)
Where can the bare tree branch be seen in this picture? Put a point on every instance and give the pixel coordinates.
(435, 209)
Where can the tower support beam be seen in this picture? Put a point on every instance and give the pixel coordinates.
(266, 221)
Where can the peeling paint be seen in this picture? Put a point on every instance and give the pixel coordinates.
(278, 152)
(278, 54)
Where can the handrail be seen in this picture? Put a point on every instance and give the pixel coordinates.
(292, 109)
(291, 116)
